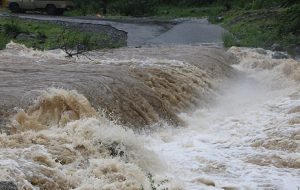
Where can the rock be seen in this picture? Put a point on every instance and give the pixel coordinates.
(297, 52)
(279, 55)
(276, 47)
(23, 36)
(261, 51)
(7, 185)
(297, 49)
(33, 35)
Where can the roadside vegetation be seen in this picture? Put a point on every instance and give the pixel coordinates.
(45, 36)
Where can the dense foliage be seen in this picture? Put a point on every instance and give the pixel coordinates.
(89, 6)
(150, 7)
(132, 7)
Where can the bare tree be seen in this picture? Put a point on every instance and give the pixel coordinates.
(71, 46)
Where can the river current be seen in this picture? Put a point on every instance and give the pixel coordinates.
(169, 117)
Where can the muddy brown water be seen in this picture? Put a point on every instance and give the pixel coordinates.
(137, 87)
(72, 122)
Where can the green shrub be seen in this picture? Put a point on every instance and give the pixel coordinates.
(229, 40)
(132, 7)
(12, 29)
(87, 7)
(258, 4)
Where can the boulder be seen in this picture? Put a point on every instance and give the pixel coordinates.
(279, 55)
(24, 36)
(297, 52)
(276, 47)
(261, 51)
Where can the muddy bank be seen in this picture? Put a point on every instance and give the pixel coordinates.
(136, 87)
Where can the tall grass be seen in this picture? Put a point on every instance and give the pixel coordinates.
(3, 40)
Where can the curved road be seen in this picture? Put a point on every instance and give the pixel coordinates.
(144, 32)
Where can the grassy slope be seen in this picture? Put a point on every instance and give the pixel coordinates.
(263, 28)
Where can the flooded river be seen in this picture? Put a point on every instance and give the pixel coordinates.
(167, 117)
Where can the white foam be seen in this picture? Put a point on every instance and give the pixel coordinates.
(237, 142)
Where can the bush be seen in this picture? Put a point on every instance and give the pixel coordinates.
(258, 4)
(133, 7)
(12, 29)
(88, 7)
(230, 40)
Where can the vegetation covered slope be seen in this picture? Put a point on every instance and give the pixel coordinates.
(276, 26)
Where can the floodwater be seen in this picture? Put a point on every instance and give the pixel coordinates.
(169, 117)
(248, 138)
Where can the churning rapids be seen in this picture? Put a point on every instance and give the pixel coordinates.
(170, 117)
